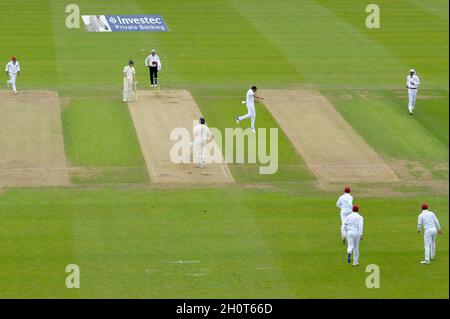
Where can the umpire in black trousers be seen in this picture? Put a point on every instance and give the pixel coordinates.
(154, 65)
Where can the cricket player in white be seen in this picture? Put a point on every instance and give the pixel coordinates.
(353, 227)
(250, 102)
(345, 204)
(431, 227)
(201, 137)
(412, 84)
(13, 70)
(129, 77)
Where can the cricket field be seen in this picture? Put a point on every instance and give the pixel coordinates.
(83, 180)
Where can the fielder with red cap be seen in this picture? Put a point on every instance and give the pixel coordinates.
(431, 226)
(345, 204)
(353, 227)
(13, 70)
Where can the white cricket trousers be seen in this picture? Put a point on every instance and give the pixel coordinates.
(127, 89)
(412, 93)
(199, 149)
(251, 112)
(429, 237)
(343, 217)
(353, 239)
(12, 81)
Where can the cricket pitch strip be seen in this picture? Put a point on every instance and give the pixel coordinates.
(31, 140)
(155, 115)
(329, 145)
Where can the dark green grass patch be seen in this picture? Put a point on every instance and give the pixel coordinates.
(100, 134)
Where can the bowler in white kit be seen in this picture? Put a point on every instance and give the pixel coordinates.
(12, 69)
(431, 226)
(353, 227)
(251, 112)
(412, 84)
(345, 204)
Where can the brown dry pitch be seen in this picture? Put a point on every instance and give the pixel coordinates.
(31, 140)
(155, 115)
(329, 145)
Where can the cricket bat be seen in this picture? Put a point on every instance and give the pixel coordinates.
(135, 90)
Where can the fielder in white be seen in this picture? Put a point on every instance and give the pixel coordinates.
(353, 227)
(250, 102)
(345, 204)
(201, 137)
(412, 84)
(129, 77)
(13, 70)
(431, 227)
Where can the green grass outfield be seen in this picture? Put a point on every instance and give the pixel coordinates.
(267, 236)
(246, 244)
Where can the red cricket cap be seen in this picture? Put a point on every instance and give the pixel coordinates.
(424, 206)
(355, 208)
(347, 189)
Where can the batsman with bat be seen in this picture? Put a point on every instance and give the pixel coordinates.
(129, 81)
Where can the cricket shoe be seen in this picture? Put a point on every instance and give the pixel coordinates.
(349, 258)
(410, 113)
(15, 92)
(425, 262)
(253, 130)
(355, 264)
(237, 120)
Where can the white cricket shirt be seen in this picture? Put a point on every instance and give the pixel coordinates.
(129, 72)
(413, 82)
(12, 67)
(201, 133)
(250, 99)
(345, 203)
(428, 220)
(354, 222)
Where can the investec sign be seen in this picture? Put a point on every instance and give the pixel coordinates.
(125, 23)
